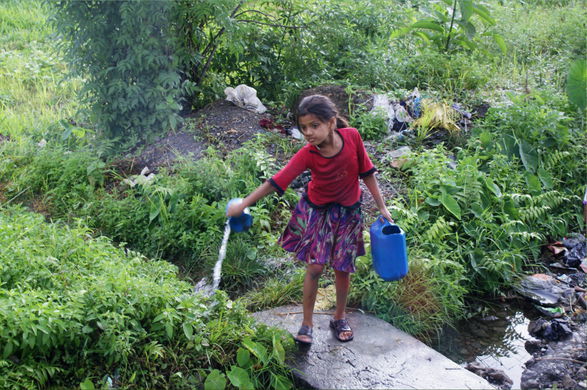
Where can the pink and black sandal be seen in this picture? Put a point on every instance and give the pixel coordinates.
(305, 330)
(339, 327)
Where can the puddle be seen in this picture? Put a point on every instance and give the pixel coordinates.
(495, 340)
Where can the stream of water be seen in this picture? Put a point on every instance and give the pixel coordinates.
(203, 286)
(494, 340)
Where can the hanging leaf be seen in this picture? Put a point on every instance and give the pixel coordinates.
(466, 9)
(451, 204)
(545, 177)
(528, 156)
(533, 183)
(500, 42)
(492, 187)
(577, 84)
(428, 25)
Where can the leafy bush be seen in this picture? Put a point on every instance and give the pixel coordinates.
(123, 50)
(371, 125)
(75, 307)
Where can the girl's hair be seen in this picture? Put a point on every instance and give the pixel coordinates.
(322, 107)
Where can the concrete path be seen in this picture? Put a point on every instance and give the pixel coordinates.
(380, 356)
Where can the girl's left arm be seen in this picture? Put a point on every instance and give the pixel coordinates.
(373, 186)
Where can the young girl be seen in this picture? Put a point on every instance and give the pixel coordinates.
(326, 226)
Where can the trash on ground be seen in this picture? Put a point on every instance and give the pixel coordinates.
(552, 330)
(245, 97)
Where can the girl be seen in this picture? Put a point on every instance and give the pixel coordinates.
(326, 226)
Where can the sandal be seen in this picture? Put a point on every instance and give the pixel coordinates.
(341, 326)
(305, 330)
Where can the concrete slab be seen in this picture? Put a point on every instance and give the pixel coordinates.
(380, 356)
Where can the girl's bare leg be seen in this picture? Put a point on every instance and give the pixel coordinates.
(342, 282)
(313, 272)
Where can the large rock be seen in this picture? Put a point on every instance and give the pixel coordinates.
(380, 356)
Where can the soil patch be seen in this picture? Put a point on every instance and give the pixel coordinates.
(220, 124)
(226, 126)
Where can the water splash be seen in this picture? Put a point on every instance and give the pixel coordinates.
(203, 286)
(221, 256)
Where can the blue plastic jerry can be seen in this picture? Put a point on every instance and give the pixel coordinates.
(242, 222)
(388, 249)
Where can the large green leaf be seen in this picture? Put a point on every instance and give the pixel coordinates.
(429, 25)
(467, 9)
(545, 177)
(500, 42)
(528, 155)
(243, 358)
(215, 381)
(533, 183)
(451, 204)
(240, 378)
(278, 350)
(577, 84)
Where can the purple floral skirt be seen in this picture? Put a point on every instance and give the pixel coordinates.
(331, 234)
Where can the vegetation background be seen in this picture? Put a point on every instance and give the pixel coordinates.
(96, 275)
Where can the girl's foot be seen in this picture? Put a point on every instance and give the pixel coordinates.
(342, 329)
(304, 335)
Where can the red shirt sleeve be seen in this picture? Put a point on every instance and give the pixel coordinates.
(366, 166)
(298, 164)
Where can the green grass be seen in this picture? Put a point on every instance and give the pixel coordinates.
(33, 91)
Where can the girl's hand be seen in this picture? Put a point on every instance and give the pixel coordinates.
(235, 209)
(385, 213)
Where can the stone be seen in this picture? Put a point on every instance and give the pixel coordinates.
(379, 357)
(494, 376)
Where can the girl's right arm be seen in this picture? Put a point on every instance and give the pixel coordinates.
(261, 191)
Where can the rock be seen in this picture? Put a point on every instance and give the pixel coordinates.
(533, 346)
(493, 376)
(379, 357)
(545, 290)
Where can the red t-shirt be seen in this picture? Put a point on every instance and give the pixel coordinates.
(334, 179)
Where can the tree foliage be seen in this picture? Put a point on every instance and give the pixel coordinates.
(125, 52)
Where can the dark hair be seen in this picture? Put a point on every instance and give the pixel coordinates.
(322, 107)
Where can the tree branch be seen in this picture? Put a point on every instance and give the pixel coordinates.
(269, 24)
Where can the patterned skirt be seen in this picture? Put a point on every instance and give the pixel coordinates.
(325, 235)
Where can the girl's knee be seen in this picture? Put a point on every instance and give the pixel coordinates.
(315, 270)
(342, 274)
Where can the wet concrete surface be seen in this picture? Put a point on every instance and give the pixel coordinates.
(379, 357)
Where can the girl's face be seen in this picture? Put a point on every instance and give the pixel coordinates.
(314, 130)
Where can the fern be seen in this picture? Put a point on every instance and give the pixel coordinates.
(439, 229)
(554, 158)
(527, 237)
(533, 213)
(551, 199)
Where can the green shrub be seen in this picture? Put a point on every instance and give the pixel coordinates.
(371, 125)
(75, 307)
(123, 51)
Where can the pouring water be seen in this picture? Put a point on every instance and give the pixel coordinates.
(238, 224)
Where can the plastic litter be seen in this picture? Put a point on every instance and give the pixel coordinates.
(245, 97)
(381, 104)
(576, 250)
(553, 330)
